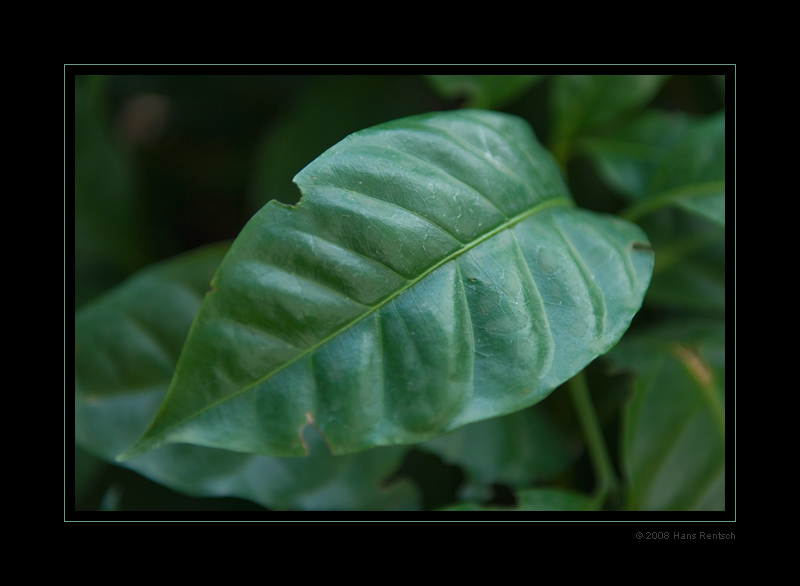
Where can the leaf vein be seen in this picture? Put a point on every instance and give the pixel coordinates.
(350, 250)
(308, 280)
(394, 205)
(499, 165)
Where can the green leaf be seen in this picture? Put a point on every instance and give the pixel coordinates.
(666, 159)
(689, 272)
(323, 112)
(127, 344)
(536, 499)
(434, 273)
(585, 103)
(517, 450)
(673, 448)
(128, 340)
(628, 156)
(106, 245)
(482, 91)
(694, 172)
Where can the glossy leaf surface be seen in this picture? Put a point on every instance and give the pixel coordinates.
(127, 345)
(434, 273)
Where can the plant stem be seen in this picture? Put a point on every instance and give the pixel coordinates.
(605, 479)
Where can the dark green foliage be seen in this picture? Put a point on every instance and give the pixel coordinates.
(172, 168)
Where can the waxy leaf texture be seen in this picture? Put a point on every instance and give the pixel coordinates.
(434, 273)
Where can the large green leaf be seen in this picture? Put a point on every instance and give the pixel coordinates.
(434, 273)
(127, 345)
(323, 112)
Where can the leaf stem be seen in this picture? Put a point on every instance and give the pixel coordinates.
(605, 479)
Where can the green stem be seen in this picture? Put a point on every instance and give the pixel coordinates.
(605, 478)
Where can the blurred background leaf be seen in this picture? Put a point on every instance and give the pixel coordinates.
(689, 271)
(516, 450)
(666, 159)
(629, 155)
(584, 104)
(324, 111)
(490, 92)
(673, 441)
(535, 499)
(106, 220)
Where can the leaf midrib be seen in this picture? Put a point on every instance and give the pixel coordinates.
(554, 202)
